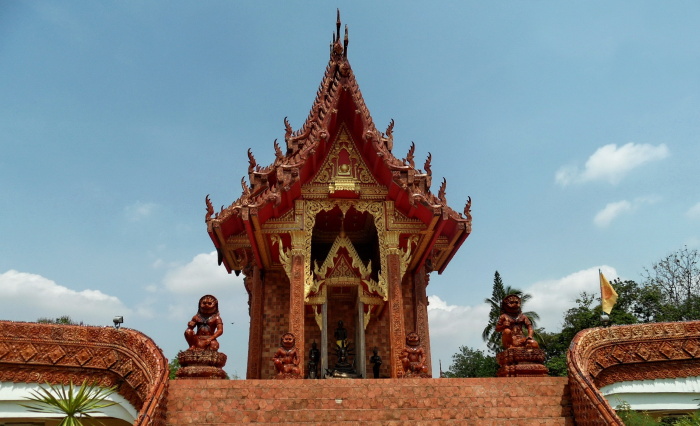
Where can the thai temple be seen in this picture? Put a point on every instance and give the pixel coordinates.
(337, 240)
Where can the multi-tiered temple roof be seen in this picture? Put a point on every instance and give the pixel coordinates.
(337, 153)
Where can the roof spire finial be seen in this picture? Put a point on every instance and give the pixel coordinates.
(345, 42)
(337, 26)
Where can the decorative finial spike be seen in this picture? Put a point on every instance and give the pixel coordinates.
(251, 161)
(442, 191)
(345, 42)
(426, 166)
(410, 155)
(337, 25)
(287, 129)
(210, 208)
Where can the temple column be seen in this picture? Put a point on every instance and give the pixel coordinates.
(420, 282)
(361, 351)
(324, 339)
(296, 296)
(397, 331)
(254, 284)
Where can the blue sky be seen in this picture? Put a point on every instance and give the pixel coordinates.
(573, 126)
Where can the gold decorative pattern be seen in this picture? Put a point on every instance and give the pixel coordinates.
(318, 316)
(343, 168)
(397, 221)
(313, 207)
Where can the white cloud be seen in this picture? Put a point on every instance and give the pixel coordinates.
(612, 211)
(27, 297)
(610, 163)
(693, 212)
(448, 320)
(139, 211)
(202, 275)
(551, 298)
(162, 310)
(452, 326)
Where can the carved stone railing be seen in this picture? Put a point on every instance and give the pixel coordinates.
(60, 354)
(601, 356)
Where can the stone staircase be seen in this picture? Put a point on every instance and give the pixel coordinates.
(483, 401)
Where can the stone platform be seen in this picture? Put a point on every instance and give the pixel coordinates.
(482, 401)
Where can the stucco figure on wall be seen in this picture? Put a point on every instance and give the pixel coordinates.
(286, 359)
(413, 357)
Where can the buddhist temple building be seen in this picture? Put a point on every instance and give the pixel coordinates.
(337, 228)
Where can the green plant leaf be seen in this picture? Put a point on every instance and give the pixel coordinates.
(83, 402)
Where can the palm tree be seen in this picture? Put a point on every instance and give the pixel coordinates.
(74, 404)
(490, 335)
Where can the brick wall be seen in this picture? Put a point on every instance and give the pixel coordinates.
(377, 335)
(275, 319)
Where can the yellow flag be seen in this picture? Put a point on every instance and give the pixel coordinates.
(608, 296)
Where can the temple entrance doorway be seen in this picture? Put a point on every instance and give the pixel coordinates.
(345, 261)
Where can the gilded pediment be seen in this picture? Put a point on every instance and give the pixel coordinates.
(343, 169)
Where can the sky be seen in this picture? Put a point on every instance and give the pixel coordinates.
(573, 126)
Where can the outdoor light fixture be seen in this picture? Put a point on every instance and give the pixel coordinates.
(605, 319)
(118, 321)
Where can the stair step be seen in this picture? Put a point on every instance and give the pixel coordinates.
(492, 401)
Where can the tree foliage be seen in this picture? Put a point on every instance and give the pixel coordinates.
(468, 362)
(174, 365)
(65, 320)
(673, 287)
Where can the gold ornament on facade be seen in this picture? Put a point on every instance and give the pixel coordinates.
(343, 168)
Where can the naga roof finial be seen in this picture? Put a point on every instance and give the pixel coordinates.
(442, 191)
(468, 208)
(345, 42)
(287, 129)
(426, 166)
(210, 209)
(251, 161)
(409, 156)
(278, 151)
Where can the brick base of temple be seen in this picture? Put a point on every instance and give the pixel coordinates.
(494, 401)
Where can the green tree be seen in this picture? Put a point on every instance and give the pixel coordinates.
(673, 283)
(470, 362)
(499, 291)
(174, 365)
(74, 404)
(497, 294)
(65, 320)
